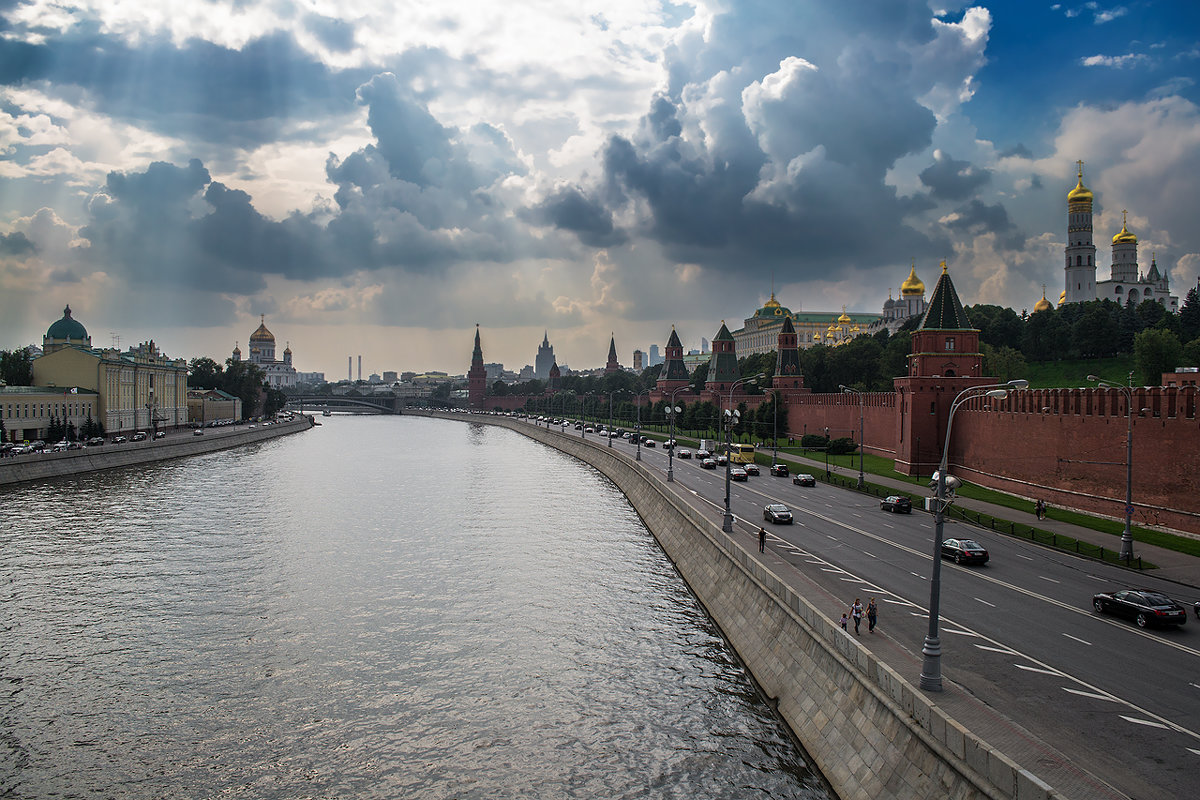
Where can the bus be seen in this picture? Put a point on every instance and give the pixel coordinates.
(741, 454)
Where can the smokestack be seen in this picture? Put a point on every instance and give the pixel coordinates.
(350, 368)
(360, 368)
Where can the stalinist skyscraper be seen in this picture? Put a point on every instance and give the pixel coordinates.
(545, 359)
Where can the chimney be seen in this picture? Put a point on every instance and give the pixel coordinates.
(350, 368)
(360, 368)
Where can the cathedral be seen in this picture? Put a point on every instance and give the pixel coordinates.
(1126, 284)
(280, 374)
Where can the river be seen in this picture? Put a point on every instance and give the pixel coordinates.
(381, 607)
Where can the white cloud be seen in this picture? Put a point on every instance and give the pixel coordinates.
(1118, 62)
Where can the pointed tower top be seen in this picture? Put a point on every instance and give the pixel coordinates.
(945, 312)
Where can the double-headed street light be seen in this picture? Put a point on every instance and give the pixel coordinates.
(610, 412)
(862, 398)
(672, 410)
(1127, 534)
(931, 669)
(639, 422)
(730, 417)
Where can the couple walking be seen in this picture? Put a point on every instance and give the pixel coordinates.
(856, 614)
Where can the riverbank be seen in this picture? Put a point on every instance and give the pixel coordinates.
(177, 444)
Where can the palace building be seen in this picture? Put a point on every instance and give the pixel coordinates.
(279, 374)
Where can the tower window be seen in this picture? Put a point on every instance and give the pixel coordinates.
(949, 342)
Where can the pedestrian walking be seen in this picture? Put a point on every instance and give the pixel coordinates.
(1040, 509)
(845, 620)
(762, 540)
(856, 613)
(872, 615)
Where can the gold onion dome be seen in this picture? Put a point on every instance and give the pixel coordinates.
(1043, 304)
(844, 318)
(1080, 194)
(912, 286)
(772, 303)
(262, 334)
(1062, 298)
(1124, 237)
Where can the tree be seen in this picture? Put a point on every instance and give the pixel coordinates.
(1004, 363)
(1191, 353)
(1189, 316)
(1156, 351)
(16, 367)
(245, 381)
(204, 373)
(999, 327)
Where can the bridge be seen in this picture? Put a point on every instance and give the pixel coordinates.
(373, 404)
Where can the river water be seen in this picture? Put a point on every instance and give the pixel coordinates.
(381, 607)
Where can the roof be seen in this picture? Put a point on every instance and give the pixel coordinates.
(67, 328)
(945, 312)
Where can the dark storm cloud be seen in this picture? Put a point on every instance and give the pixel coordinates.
(570, 209)
(335, 34)
(948, 179)
(242, 96)
(977, 218)
(16, 244)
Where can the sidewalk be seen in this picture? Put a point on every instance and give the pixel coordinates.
(1172, 565)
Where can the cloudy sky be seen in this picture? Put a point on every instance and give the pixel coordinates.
(377, 176)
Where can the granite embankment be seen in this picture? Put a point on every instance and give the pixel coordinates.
(870, 732)
(178, 444)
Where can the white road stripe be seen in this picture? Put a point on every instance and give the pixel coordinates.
(961, 632)
(986, 603)
(872, 555)
(1092, 695)
(1027, 558)
(1193, 750)
(1038, 669)
(1077, 639)
(1052, 580)
(1147, 722)
(1003, 650)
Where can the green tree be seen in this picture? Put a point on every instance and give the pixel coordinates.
(245, 381)
(276, 400)
(1156, 351)
(1189, 316)
(1191, 354)
(998, 326)
(204, 373)
(16, 367)
(1004, 363)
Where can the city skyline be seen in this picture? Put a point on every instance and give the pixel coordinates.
(376, 180)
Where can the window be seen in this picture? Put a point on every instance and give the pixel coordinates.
(949, 342)
(932, 406)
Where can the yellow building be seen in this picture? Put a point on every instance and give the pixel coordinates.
(29, 411)
(138, 389)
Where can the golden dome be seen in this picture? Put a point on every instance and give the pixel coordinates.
(912, 286)
(772, 303)
(1124, 237)
(1080, 194)
(1043, 304)
(1062, 298)
(844, 318)
(262, 334)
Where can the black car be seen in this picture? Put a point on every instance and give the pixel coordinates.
(751, 469)
(777, 512)
(684, 454)
(708, 463)
(737, 474)
(648, 443)
(964, 551)
(779, 470)
(896, 503)
(804, 479)
(1143, 606)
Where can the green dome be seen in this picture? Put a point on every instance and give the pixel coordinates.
(67, 328)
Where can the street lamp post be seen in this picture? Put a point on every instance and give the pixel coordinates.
(827, 475)
(639, 422)
(672, 410)
(775, 432)
(1127, 534)
(931, 668)
(862, 398)
(730, 416)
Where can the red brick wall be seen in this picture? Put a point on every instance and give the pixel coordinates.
(812, 413)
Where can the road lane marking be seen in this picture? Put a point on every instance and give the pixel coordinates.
(1193, 750)
(872, 555)
(1027, 558)
(1077, 639)
(1147, 722)
(1002, 650)
(1050, 671)
(960, 632)
(1093, 695)
(985, 602)
(1052, 580)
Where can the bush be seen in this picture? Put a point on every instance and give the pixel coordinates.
(813, 440)
(842, 446)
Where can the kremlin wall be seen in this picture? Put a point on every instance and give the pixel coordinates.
(1064, 446)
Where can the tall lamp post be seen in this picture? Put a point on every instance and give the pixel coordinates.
(639, 422)
(931, 668)
(672, 410)
(775, 432)
(862, 398)
(730, 416)
(1127, 534)
(610, 413)
(827, 475)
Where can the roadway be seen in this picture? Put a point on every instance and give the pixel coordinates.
(1018, 634)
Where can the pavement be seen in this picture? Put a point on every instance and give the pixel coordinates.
(1170, 565)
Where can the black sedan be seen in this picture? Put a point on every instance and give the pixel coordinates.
(964, 551)
(779, 513)
(684, 454)
(896, 503)
(779, 470)
(1143, 606)
(708, 463)
(737, 474)
(804, 479)
(648, 443)
(751, 469)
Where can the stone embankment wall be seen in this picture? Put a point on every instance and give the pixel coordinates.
(837, 698)
(53, 465)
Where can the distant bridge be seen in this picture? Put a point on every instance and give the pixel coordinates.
(381, 404)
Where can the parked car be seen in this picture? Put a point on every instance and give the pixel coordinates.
(738, 474)
(708, 463)
(751, 469)
(198, 432)
(964, 551)
(119, 440)
(139, 436)
(160, 434)
(684, 454)
(95, 441)
(779, 470)
(1143, 606)
(61, 447)
(896, 503)
(804, 479)
(779, 513)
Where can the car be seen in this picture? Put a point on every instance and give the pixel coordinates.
(804, 479)
(778, 513)
(198, 432)
(896, 503)
(160, 434)
(60, 447)
(95, 441)
(708, 463)
(964, 551)
(648, 443)
(139, 436)
(751, 469)
(702, 453)
(738, 474)
(684, 454)
(779, 470)
(722, 459)
(1143, 606)
(119, 440)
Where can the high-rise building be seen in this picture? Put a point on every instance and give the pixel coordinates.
(544, 360)
(638, 361)
(655, 357)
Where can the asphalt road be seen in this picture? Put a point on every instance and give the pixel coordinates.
(1019, 633)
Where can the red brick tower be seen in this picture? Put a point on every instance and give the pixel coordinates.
(477, 375)
(612, 365)
(945, 359)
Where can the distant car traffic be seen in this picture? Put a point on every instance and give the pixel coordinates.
(648, 443)
(779, 470)
(160, 434)
(684, 454)
(119, 440)
(965, 551)
(722, 459)
(702, 453)
(139, 436)
(198, 432)
(804, 479)
(737, 474)
(896, 503)
(1143, 606)
(708, 463)
(751, 469)
(778, 513)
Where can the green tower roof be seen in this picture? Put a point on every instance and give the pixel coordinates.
(945, 312)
